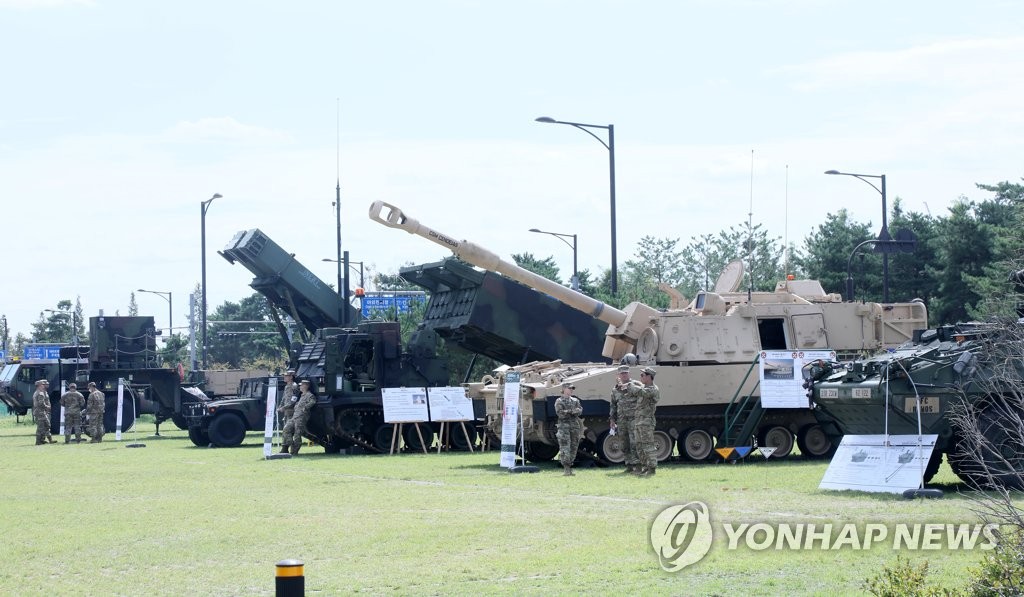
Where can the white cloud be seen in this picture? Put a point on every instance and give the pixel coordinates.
(223, 129)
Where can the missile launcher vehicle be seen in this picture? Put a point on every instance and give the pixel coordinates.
(705, 356)
(964, 382)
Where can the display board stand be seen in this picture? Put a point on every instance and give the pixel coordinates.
(396, 433)
(446, 432)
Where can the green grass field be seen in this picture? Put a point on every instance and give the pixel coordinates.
(174, 519)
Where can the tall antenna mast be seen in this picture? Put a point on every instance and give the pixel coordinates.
(785, 226)
(342, 306)
(750, 235)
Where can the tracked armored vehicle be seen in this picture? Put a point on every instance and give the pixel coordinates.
(965, 381)
(705, 356)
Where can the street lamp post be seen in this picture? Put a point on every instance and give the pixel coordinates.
(883, 236)
(205, 205)
(849, 268)
(610, 146)
(575, 282)
(170, 308)
(351, 264)
(4, 319)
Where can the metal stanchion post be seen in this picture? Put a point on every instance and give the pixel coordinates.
(291, 580)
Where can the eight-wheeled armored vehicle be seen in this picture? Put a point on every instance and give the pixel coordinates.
(962, 383)
(705, 356)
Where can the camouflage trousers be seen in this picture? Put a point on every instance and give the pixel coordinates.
(95, 427)
(568, 435)
(43, 429)
(291, 437)
(643, 443)
(625, 432)
(72, 421)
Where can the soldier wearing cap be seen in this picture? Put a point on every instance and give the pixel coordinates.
(73, 403)
(570, 426)
(644, 421)
(289, 397)
(95, 406)
(41, 412)
(623, 407)
(296, 427)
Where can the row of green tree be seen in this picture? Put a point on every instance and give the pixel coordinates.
(960, 262)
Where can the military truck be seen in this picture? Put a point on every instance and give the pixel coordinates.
(348, 369)
(119, 348)
(966, 370)
(705, 356)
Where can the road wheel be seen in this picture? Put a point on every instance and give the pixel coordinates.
(696, 444)
(412, 439)
(227, 430)
(381, 438)
(198, 436)
(777, 437)
(539, 451)
(663, 445)
(458, 439)
(995, 458)
(609, 447)
(814, 442)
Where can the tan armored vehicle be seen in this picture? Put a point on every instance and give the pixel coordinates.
(705, 355)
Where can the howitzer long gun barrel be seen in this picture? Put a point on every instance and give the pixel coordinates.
(481, 257)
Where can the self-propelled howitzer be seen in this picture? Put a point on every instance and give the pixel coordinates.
(704, 354)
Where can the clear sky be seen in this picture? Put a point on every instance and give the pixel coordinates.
(117, 118)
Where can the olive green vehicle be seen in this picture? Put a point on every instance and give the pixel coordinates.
(967, 370)
(705, 355)
(224, 422)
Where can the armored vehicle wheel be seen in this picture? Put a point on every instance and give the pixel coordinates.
(459, 439)
(412, 439)
(179, 421)
(609, 447)
(539, 451)
(696, 444)
(227, 430)
(777, 437)
(663, 445)
(382, 437)
(198, 436)
(813, 442)
(999, 459)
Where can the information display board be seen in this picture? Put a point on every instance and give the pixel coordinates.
(449, 404)
(509, 419)
(879, 463)
(781, 382)
(405, 405)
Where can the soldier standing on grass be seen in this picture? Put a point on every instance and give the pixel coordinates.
(643, 423)
(41, 412)
(288, 399)
(73, 403)
(570, 426)
(296, 426)
(624, 395)
(95, 407)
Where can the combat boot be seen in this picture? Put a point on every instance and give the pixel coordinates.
(568, 470)
(647, 472)
(67, 439)
(284, 450)
(39, 443)
(295, 450)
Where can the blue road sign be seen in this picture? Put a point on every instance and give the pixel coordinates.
(378, 304)
(41, 351)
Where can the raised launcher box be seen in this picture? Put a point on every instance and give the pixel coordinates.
(495, 316)
(226, 382)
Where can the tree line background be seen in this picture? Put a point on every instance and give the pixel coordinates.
(960, 267)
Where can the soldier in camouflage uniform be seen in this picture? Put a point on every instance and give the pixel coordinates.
(296, 426)
(73, 403)
(41, 412)
(95, 406)
(623, 406)
(286, 405)
(570, 426)
(643, 423)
